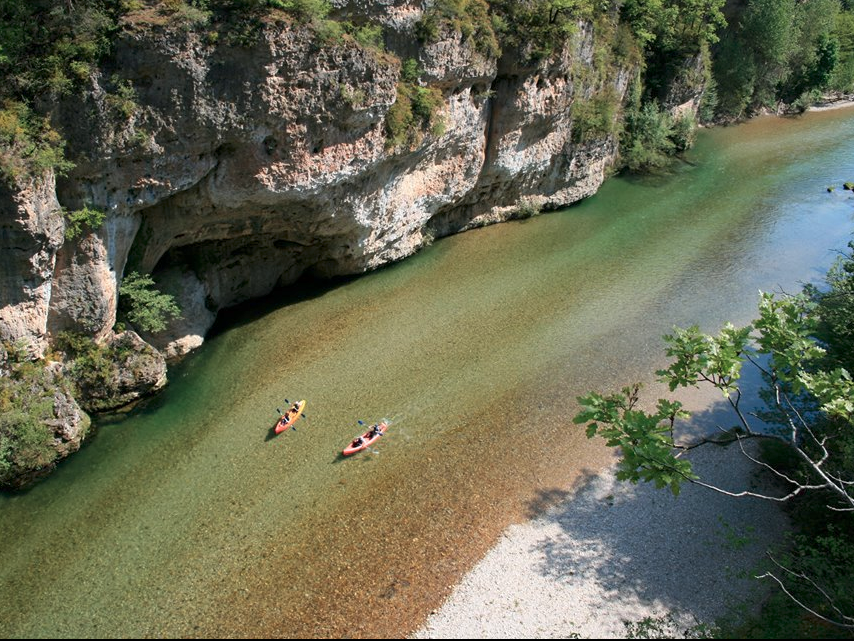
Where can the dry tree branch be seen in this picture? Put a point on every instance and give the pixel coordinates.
(846, 621)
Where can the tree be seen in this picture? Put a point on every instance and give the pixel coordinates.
(810, 407)
(144, 305)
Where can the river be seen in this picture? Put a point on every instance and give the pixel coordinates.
(184, 518)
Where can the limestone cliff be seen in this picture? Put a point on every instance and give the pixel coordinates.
(243, 165)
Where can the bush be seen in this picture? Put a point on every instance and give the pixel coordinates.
(539, 27)
(416, 109)
(595, 118)
(304, 10)
(28, 144)
(684, 131)
(81, 220)
(647, 141)
(27, 441)
(188, 15)
(123, 101)
(144, 305)
(370, 36)
(410, 71)
(470, 18)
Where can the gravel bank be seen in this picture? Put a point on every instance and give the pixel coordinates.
(612, 552)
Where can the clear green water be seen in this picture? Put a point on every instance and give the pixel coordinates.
(186, 519)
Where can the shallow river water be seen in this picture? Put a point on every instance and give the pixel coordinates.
(185, 518)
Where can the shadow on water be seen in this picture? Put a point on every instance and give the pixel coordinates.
(308, 287)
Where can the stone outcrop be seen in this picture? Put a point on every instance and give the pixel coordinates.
(129, 368)
(41, 397)
(31, 233)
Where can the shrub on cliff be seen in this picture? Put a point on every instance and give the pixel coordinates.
(112, 374)
(39, 422)
(647, 141)
(28, 144)
(470, 18)
(77, 222)
(596, 118)
(415, 110)
(144, 305)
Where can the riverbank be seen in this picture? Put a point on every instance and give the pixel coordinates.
(613, 553)
(837, 103)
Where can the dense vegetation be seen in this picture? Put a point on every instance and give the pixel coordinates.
(752, 55)
(29, 394)
(99, 372)
(802, 345)
(784, 51)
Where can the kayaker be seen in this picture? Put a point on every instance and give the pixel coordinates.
(358, 441)
(376, 431)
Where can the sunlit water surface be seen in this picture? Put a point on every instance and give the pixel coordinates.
(186, 519)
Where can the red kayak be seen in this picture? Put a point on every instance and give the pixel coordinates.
(361, 442)
(290, 417)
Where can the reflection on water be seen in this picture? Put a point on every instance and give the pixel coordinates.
(185, 519)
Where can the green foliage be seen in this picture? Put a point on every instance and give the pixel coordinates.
(843, 76)
(595, 118)
(809, 395)
(123, 101)
(369, 36)
(92, 366)
(304, 10)
(416, 109)
(645, 440)
(46, 50)
(44, 45)
(26, 407)
(144, 305)
(28, 144)
(783, 51)
(409, 71)
(835, 310)
(328, 31)
(784, 334)
(540, 28)
(192, 14)
(98, 371)
(470, 18)
(79, 221)
(677, 26)
(684, 131)
(647, 142)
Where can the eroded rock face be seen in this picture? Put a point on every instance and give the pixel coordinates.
(31, 233)
(244, 166)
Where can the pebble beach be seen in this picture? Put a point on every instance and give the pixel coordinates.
(613, 554)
